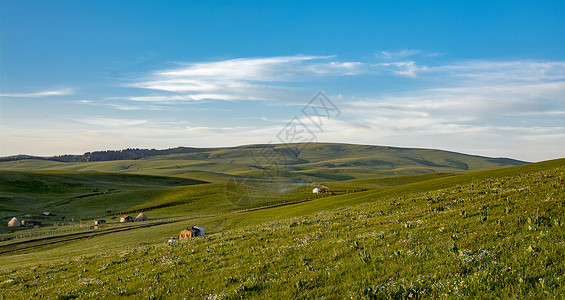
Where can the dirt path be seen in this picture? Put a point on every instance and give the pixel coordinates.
(44, 241)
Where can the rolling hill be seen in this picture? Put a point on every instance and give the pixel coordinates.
(77, 195)
(494, 233)
(399, 223)
(287, 162)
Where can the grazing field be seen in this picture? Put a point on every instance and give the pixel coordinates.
(314, 162)
(73, 196)
(487, 234)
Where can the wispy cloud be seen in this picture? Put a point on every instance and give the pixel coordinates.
(121, 105)
(48, 93)
(497, 71)
(498, 104)
(242, 78)
(185, 97)
(401, 54)
(402, 68)
(109, 122)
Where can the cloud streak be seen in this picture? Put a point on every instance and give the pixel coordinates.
(502, 71)
(275, 78)
(41, 94)
(110, 122)
(240, 79)
(488, 108)
(401, 54)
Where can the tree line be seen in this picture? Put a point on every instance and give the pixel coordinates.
(108, 155)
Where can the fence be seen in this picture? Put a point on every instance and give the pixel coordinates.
(80, 228)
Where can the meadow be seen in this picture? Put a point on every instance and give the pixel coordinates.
(495, 233)
(312, 162)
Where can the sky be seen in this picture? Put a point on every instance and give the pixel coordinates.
(478, 77)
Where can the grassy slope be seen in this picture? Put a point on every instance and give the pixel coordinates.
(77, 194)
(487, 234)
(220, 198)
(312, 162)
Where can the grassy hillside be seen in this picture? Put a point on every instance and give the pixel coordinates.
(77, 195)
(487, 234)
(294, 162)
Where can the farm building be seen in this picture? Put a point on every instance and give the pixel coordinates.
(141, 217)
(99, 222)
(125, 219)
(30, 223)
(47, 213)
(14, 222)
(191, 233)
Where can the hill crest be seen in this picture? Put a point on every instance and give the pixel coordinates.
(295, 148)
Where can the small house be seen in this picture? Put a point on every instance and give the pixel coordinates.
(141, 217)
(316, 191)
(125, 219)
(191, 233)
(47, 213)
(14, 222)
(188, 233)
(99, 222)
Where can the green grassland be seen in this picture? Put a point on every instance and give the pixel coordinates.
(447, 233)
(293, 162)
(77, 195)
(270, 174)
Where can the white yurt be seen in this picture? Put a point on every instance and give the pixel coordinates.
(14, 222)
(141, 217)
(316, 191)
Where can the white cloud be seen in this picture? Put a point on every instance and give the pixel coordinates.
(59, 92)
(109, 122)
(183, 97)
(247, 69)
(505, 71)
(465, 103)
(399, 54)
(242, 78)
(403, 68)
(487, 108)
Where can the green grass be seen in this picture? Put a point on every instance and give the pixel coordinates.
(294, 162)
(487, 234)
(76, 195)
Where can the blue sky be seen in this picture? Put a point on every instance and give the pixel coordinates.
(479, 77)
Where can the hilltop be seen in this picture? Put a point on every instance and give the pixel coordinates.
(291, 162)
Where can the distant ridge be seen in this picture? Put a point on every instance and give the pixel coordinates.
(109, 155)
(324, 161)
